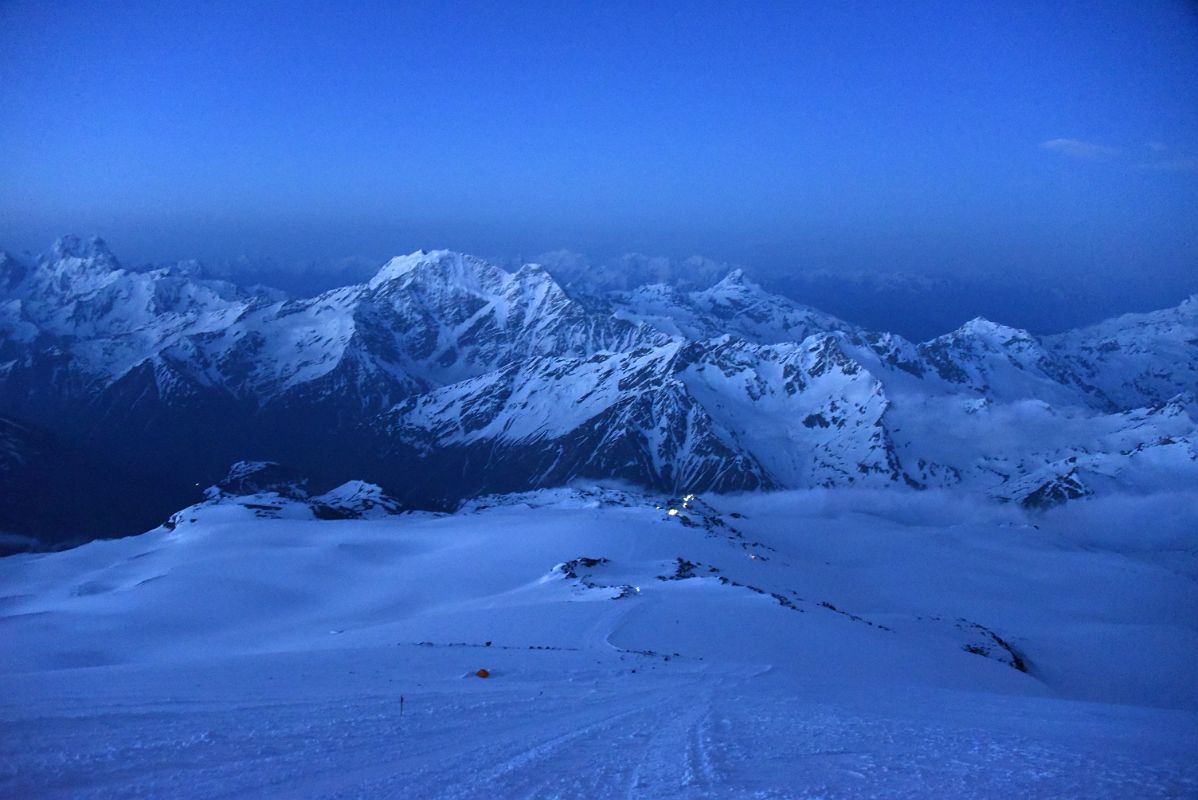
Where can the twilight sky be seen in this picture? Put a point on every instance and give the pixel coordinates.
(965, 138)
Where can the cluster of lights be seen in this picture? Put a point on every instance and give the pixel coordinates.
(686, 503)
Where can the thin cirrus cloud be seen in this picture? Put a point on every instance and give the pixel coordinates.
(1092, 151)
(1078, 148)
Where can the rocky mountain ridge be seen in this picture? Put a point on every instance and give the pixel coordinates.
(445, 377)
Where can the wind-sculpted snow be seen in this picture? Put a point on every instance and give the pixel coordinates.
(444, 376)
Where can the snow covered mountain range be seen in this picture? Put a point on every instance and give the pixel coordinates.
(445, 377)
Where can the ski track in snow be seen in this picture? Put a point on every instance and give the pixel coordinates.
(268, 657)
(683, 733)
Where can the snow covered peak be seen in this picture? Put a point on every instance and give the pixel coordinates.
(449, 270)
(241, 470)
(735, 279)
(584, 278)
(993, 332)
(354, 500)
(268, 490)
(444, 266)
(256, 477)
(72, 268)
(734, 287)
(399, 266)
(94, 249)
(532, 269)
(79, 290)
(1137, 359)
(190, 268)
(736, 293)
(735, 305)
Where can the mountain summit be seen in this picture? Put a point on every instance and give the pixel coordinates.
(445, 376)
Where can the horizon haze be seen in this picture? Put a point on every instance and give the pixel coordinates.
(989, 144)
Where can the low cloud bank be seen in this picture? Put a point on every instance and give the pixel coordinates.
(1161, 522)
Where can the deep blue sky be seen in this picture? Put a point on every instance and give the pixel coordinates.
(963, 137)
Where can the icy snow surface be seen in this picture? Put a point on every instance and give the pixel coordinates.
(803, 644)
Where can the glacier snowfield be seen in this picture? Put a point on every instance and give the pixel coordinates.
(815, 644)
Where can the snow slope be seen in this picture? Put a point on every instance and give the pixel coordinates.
(814, 644)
